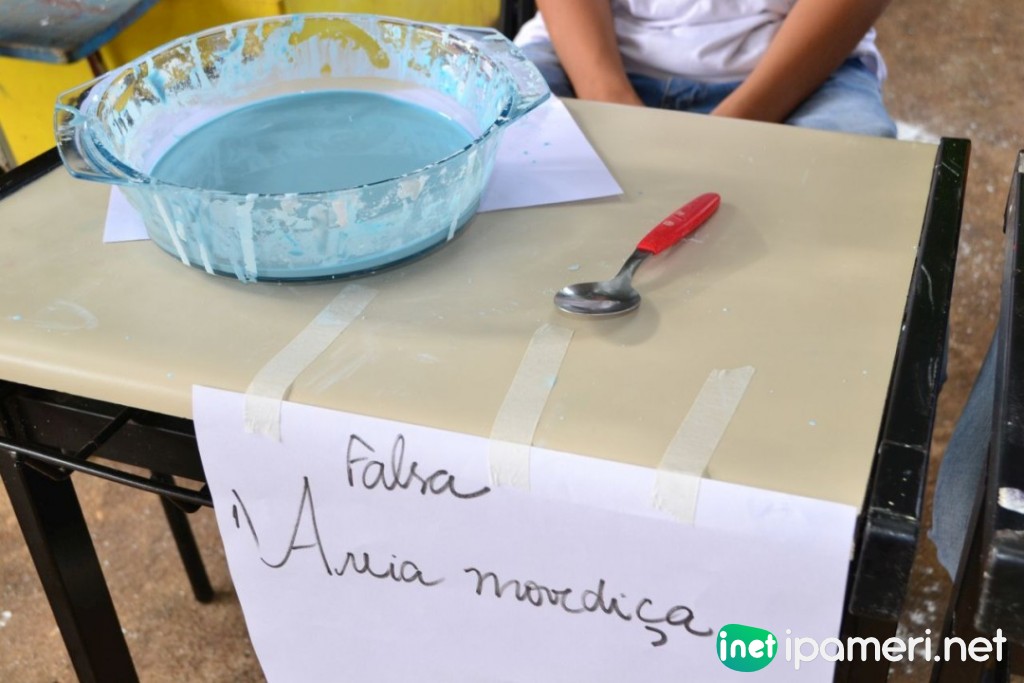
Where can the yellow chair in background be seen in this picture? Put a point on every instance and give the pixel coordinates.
(29, 89)
(467, 12)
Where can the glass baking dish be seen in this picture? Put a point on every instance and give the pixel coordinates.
(117, 128)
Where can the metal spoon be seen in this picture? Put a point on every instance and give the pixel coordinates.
(616, 296)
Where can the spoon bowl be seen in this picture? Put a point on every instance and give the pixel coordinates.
(617, 295)
(604, 298)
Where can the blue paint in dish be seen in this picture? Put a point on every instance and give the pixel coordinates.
(311, 142)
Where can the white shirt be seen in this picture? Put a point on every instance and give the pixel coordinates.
(712, 41)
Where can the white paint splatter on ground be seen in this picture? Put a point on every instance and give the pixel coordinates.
(5, 618)
(914, 132)
(1011, 499)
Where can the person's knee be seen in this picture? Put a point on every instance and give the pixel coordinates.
(882, 129)
(850, 102)
(857, 123)
(846, 114)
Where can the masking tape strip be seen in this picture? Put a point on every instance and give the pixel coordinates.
(270, 385)
(677, 483)
(516, 422)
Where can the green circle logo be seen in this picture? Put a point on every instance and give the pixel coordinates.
(745, 648)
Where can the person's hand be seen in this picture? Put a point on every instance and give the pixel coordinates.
(583, 35)
(616, 92)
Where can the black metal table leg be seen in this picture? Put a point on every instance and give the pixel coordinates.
(58, 539)
(856, 670)
(890, 521)
(187, 547)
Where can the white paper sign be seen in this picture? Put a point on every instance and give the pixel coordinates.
(544, 158)
(369, 550)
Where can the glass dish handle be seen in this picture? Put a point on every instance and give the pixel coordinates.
(531, 88)
(79, 141)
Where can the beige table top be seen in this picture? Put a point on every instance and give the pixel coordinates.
(803, 274)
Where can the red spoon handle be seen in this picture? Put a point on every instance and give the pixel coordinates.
(680, 223)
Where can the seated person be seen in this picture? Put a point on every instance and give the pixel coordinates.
(810, 63)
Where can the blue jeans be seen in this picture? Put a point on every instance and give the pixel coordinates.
(962, 467)
(849, 101)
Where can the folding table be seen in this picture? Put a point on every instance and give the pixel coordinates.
(100, 344)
